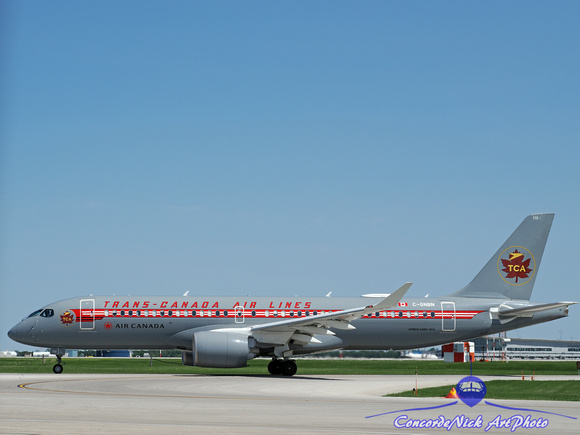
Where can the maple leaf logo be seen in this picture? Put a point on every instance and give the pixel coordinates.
(517, 266)
(67, 318)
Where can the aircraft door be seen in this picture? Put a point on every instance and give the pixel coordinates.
(87, 313)
(448, 318)
(240, 314)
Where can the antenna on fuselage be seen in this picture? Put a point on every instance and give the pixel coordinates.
(328, 294)
(186, 293)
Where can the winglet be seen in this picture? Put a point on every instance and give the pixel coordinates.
(390, 301)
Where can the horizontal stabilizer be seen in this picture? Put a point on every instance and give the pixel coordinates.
(529, 311)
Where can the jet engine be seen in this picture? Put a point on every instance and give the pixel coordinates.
(218, 348)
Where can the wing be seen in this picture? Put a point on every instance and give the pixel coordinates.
(302, 330)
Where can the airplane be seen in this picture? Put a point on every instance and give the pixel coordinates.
(226, 332)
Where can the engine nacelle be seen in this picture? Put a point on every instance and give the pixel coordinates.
(223, 349)
(187, 358)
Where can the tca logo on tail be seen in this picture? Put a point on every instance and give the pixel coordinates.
(516, 265)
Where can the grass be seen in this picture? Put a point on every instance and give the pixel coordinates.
(514, 390)
(305, 367)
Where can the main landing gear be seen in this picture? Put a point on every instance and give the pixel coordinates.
(286, 367)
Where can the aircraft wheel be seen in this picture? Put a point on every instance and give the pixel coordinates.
(275, 367)
(57, 368)
(289, 368)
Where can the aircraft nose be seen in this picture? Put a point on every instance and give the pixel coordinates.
(18, 332)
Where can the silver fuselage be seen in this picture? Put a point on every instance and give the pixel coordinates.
(153, 322)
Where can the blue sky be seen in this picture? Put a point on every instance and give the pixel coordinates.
(296, 148)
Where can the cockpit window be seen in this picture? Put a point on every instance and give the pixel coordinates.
(47, 313)
(36, 313)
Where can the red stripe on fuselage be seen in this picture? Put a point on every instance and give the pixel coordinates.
(100, 314)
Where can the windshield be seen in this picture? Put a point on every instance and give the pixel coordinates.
(36, 313)
(48, 312)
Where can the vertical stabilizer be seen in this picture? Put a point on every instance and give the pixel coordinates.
(512, 271)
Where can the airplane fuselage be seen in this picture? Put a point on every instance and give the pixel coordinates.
(112, 322)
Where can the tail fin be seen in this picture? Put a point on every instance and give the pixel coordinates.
(512, 271)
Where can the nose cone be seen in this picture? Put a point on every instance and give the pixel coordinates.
(19, 333)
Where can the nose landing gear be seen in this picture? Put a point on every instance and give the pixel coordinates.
(57, 368)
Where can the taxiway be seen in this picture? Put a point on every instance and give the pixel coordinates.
(68, 403)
